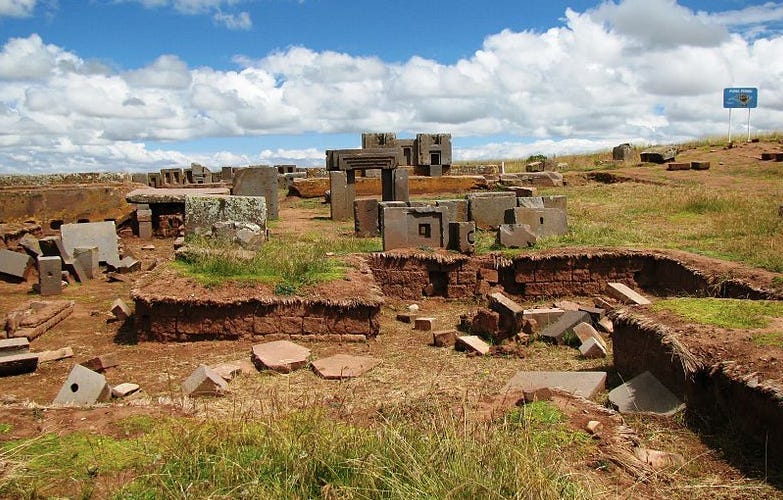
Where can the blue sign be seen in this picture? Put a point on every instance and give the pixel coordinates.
(740, 97)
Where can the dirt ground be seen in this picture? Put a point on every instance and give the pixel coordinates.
(412, 371)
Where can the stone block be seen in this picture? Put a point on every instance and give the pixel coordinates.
(407, 317)
(14, 264)
(555, 201)
(522, 191)
(543, 222)
(50, 276)
(700, 165)
(145, 230)
(37, 317)
(30, 243)
(623, 152)
(341, 366)
(228, 371)
(120, 310)
(341, 195)
(281, 356)
(678, 166)
(543, 316)
(485, 322)
(13, 346)
(511, 314)
(488, 210)
(596, 313)
(365, 217)
(101, 363)
(644, 393)
(124, 390)
(557, 331)
(424, 324)
(444, 338)
(472, 343)
(592, 349)
(457, 209)
(535, 166)
(435, 170)
(202, 212)
(462, 237)
(204, 382)
(19, 363)
(530, 202)
(258, 181)
(584, 384)
(55, 355)
(413, 227)
(128, 265)
(91, 234)
(400, 177)
(585, 332)
(659, 156)
(87, 257)
(625, 294)
(516, 236)
(606, 325)
(83, 387)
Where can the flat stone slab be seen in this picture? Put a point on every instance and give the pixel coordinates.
(14, 263)
(16, 364)
(342, 366)
(281, 356)
(152, 196)
(585, 384)
(83, 387)
(92, 234)
(625, 294)
(556, 331)
(644, 393)
(472, 343)
(124, 390)
(37, 317)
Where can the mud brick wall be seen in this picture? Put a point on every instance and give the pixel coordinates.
(412, 277)
(170, 322)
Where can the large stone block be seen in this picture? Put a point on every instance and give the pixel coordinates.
(83, 387)
(585, 384)
(565, 324)
(462, 237)
(516, 236)
(91, 234)
(458, 209)
(50, 275)
(543, 222)
(623, 152)
(281, 356)
(14, 264)
(400, 178)
(87, 257)
(644, 393)
(342, 193)
(488, 210)
(258, 181)
(365, 217)
(204, 211)
(412, 227)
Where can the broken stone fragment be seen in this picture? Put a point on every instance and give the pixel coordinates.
(342, 366)
(406, 317)
(124, 390)
(120, 310)
(101, 363)
(625, 294)
(472, 343)
(591, 349)
(444, 338)
(594, 427)
(228, 371)
(281, 356)
(204, 382)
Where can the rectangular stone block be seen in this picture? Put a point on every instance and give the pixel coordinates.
(543, 222)
(457, 209)
(14, 263)
(565, 324)
(16, 364)
(488, 210)
(365, 217)
(341, 196)
(585, 384)
(204, 211)
(625, 294)
(87, 257)
(260, 180)
(50, 275)
(516, 236)
(145, 230)
(462, 237)
(402, 190)
(91, 234)
(413, 227)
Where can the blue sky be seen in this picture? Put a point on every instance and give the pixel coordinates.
(146, 84)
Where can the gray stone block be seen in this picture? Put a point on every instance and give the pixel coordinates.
(488, 210)
(50, 275)
(202, 212)
(623, 152)
(9, 347)
(30, 243)
(258, 181)
(91, 234)
(83, 387)
(530, 202)
(516, 236)
(87, 257)
(341, 195)
(401, 184)
(145, 230)
(14, 264)
(365, 217)
(543, 222)
(457, 209)
(584, 384)
(556, 332)
(462, 237)
(204, 382)
(644, 393)
(413, 227)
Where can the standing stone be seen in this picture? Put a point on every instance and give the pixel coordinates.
(543, 222)
(365, 217)
(87, 257)
(401, 185)
(462, 237)
(457, 209)
(258, 181)
(50, 270)
(623, 152)
(341, 195)
(144, 220)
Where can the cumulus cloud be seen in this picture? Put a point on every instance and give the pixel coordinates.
(17, 8)
(582, 85)
(238, 21)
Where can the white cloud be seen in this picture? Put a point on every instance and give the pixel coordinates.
(238, 21)
(583, 85)
(217, 8)
(17, 8)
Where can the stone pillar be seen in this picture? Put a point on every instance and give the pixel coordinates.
(342, 194)
(387, 184)
(401, 186)
(50, 275)
(365, 215)
(87, 257)
(144, 219)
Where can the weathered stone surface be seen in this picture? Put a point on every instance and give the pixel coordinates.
(511, 314)
(596, 313)
(204, 382)
(50, 276)
(486, 323)
(124, 390)
(530, 202)
(660, 156)
(88, 259)
(101, 363)
(91, 234)
(407, 317)
(412, 227)
(488, 210)
(585, 332)
(18, 363)
(14, 346)
(700, 165)
(556, 332)
(644, 393)
(678, 166)
(516, 236)
(625, 294)
(281, 356)
(37, 317)
(457, 209)
(342, 193)
(623, 152)
(203, 212)
(424, 324)
(256, 181)
(55, 355)
(14, 264)
(342, 366)
(444, 338)
(83, 387)
(228, 371)
(30, 243)
(543, 222)
(591, 349)
(128, 265)
(365, 217)
(606, 325)
(462, 237)
(585, 384)
(543, 316)
(153, 196)
(120, 310)
(472, 343)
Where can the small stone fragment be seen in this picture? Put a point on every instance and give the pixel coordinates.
(594, 427)
(591, 349)
(120, 310)
(444, 338)
(424, 324)
(124, 390)
(472, 343)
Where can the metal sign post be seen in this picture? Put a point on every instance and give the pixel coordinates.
(740, 97)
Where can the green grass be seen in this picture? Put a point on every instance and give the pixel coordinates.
(310, 455)
(286, 263)
(723, 313)
(771, 339)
